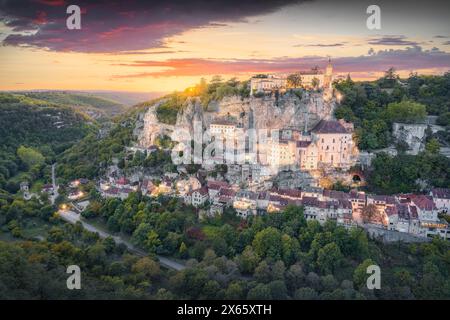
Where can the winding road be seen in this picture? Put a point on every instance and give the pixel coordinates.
(73, 217)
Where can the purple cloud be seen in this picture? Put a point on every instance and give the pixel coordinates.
(322, 45)
(411, 58)
(112, 25)
(392, 41)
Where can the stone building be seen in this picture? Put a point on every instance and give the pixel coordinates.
(269, 83)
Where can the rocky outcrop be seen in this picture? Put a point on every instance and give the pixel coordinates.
(148, 127)
(269, 112)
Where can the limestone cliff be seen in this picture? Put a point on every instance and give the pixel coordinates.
(287, 111)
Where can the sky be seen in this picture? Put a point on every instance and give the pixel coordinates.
(162, 46)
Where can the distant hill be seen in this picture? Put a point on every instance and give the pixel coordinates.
(94, 106)
(126, 98)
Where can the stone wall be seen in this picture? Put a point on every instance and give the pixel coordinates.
(392, 236)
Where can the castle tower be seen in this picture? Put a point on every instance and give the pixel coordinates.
(328, 78)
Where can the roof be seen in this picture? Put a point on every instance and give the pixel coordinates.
(406, 212)
(122, 180)
(312, 71)
(227, 192)
(293, 193)
(357, 195)
(203, 191)
(441, 193)
(391, 211)
(383, 198)
(112, 191)
(334, 194)
(329, 126)
(303, 144)
(223, 122)
(345, 204)
(309, 201)
(424, 202)
(247, 194)
(216, 185)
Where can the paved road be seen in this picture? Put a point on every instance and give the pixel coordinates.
(55, 187)
(73, 217)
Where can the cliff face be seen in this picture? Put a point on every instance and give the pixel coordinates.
(148, 127)
(289, 111)
(271, 113)
(191, 112)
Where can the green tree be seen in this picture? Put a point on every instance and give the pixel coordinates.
(406, 112)
(31, 157)
(260, 292)
(294, 80)
(360, 274)
(306, 294)
(329, 258)
(433, 146)
(267, 243)
(248, 260)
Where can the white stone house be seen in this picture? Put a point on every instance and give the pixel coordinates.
(198, 197)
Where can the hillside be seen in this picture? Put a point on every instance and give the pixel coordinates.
(93, 105)
(42, 129)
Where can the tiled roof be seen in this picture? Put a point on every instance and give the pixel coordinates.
(441, 193)
(309, 201)
(203, 191)
(345, 204)
(227, 192)
(353, 194)
(329, 126)
(294, 193)
(424, 202)
(406, 212)
(333, 194)
(216, 185)
(391, 211)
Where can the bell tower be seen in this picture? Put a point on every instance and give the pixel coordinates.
(328, 78)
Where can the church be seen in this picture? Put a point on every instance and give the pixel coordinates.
(328, 145)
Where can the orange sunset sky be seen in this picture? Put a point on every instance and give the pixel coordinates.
(163, 46)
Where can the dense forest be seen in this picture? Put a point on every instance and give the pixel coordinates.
(39, 248)
(278, 256)
(374, 106)
(32, 133)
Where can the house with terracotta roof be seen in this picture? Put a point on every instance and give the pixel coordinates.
(426, 208)
(197, 197)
